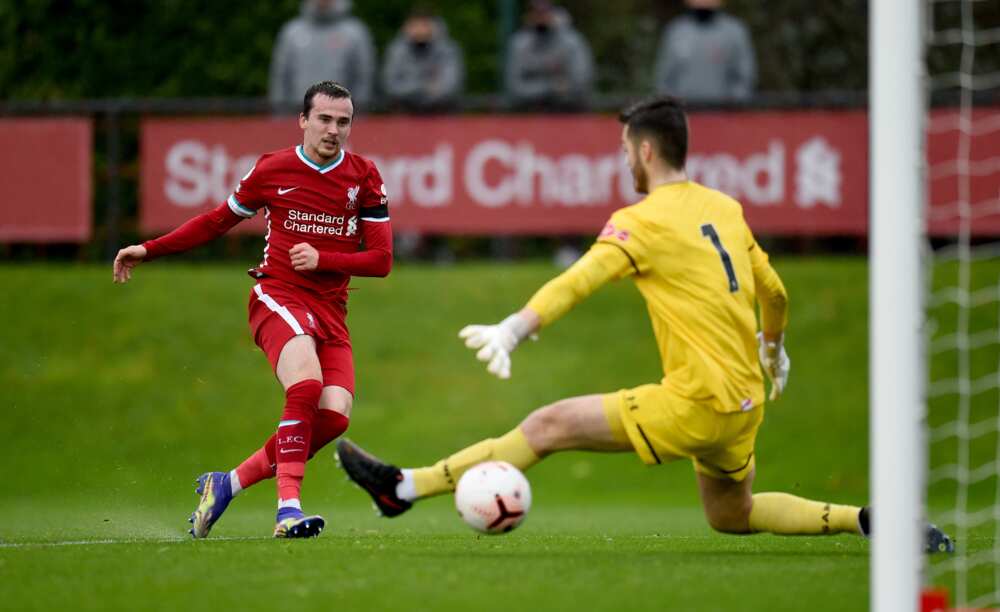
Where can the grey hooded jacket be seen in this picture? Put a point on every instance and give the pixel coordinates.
(424, 77)
(318, 46)
(706, 60)
(549, 70)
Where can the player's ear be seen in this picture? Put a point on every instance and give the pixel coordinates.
(646, 150)
(303, 120)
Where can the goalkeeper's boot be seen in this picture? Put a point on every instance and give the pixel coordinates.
(216, 493)
(293, 524)
(935, 540)
(864, 521)
(373, 475)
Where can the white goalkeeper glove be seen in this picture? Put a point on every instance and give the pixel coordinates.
(496, 342)
(776, 364)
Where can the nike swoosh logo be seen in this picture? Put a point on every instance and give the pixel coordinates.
(291, 450)
(284, 191)
(388, 501)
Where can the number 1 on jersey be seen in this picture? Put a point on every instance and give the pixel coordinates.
(708, 230)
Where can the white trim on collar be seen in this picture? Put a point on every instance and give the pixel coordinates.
(321, 169)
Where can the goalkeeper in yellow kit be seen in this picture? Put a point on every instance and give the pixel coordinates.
(702, 274)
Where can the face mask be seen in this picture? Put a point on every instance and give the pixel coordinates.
(704, 15)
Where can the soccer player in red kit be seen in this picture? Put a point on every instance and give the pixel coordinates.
(320, 202)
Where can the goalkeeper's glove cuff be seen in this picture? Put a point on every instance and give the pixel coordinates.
(518, 326)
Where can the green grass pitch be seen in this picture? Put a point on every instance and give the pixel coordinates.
(116, 397)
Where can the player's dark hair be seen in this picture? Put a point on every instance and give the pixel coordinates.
(327, 88)
(662, 120)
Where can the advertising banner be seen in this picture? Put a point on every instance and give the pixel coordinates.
(795, 172)
(963, 172)
(47, 180)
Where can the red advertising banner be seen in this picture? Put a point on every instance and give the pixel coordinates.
(796, 172)
(963, 171)
(47, 180)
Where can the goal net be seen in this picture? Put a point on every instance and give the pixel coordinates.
(962, 295)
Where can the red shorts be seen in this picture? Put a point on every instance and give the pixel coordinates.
(279, 312)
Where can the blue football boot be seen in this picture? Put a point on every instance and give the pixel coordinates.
(293, 524)
(216, 493)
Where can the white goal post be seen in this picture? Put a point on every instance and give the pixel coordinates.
(897, 371)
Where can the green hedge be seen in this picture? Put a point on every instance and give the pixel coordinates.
(177, 48)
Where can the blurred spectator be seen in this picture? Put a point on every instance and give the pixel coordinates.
(549, 64)
(324, 43)
(423, 67)
(706, 55)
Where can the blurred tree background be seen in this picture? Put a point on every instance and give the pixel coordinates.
(58, 49)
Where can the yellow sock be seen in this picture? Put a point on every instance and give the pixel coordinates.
(786, 514)
(443, 475)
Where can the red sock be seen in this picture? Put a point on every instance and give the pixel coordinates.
(327, 428)
(258, 466)
(293, 436)
(261, 465)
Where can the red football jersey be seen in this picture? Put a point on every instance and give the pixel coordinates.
(326, 206)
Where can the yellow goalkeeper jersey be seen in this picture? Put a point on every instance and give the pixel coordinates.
(696, 263)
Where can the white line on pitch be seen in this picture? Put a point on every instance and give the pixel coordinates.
(123, 541)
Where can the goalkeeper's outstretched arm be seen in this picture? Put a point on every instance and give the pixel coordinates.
(599, 265)
(496, 342)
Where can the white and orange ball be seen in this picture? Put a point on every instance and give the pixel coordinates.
(493, 497)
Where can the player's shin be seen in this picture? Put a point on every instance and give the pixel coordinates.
(293, 439)
(442, 476)
(785, 514)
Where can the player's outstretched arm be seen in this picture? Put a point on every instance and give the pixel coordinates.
(126, 259)
(194, 232)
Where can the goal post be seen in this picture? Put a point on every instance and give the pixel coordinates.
(897, 370)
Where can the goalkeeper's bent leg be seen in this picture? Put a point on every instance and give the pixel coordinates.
(442, 477)
(785, 514)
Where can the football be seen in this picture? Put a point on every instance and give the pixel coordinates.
(493, 497)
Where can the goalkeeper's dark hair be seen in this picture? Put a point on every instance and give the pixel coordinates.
(327, 88)
(662, 120)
